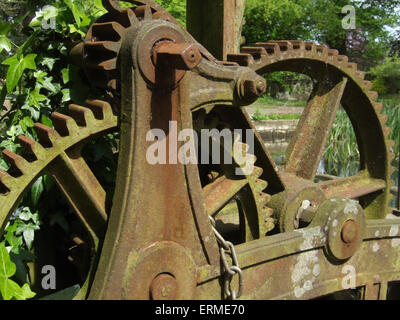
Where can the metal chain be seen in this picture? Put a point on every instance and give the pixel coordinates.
(229, 271)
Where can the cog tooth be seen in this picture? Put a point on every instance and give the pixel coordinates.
(342, 59)
(101, 109)
(378, 106)
(352, 65)
(265, 198)
(32, 147)
(284, 45)
(257, 171)
(261, 184)
(256, 52)
(310, 46)
(390, 143)
(268, 211)
(144, 12)
(6, 182)
(100, 46)
(391, 157)
(110, 31)
(298, 44)
(161, 15)
(47, 136)
(64, 124)
(243, 59)
(383, 119)
(391, 171)
(373, 95)
(18, 164)
(333, 52)
(324, 49)
(84, 117)
(271, 48)
(360, 74)
(367, 84)
(269, 224)
(105, 65)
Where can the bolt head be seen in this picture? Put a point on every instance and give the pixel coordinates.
(164, 287)
(349, 231)
(251, 86)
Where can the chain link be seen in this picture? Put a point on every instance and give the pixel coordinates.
(229, 271)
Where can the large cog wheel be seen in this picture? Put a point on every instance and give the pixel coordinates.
(337, 81)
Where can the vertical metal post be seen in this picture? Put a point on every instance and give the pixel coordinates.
(216, 24)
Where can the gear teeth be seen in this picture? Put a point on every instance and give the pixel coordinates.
(367, 85)
(84, 117)
(390, 144)
(322, 49)
(64, 124)
(378, 106)
(144, 12)
(103, 46)
(298, 45)
(261, 184)
(391, 157)
(284, 45)
(373, 95)
(271, 48)
(161, 15)
(256, 52)
(31, 147)
(6, 181)
(47, 136)
(352, 66)
(310, 46)
(360, 74)
(101, 109)
(333, 53)
(342, 59)
(243, 59)
(110, 31)
(257, 171)
(18, 164)
(265, 197)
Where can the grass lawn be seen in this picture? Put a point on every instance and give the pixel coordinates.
(269, 102)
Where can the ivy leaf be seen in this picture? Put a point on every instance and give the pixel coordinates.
(8, 288)
(37, 190)
(77, 10)
(49, 62)
(26, 123)
(5, 44)
(65, 75)
(46, 121)
(35, 98)
(17, 65)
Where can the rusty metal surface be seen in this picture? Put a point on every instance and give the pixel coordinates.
(293, 236)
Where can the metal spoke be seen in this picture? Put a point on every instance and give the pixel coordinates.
(82, 190)
(219, 192)
(352, 187)
(305, 149)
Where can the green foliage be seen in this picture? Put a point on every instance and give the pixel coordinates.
(258, 116)
(321, 21)
(39, 80)
(175, 7)
(387, 75)
(341, 155)
(9, 289)
(379, 86)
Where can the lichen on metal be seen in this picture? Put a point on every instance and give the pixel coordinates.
(294, 236)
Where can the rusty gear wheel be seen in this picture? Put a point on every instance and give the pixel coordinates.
(222, 185)
(336, 81)
(104, 38)
(58, 153)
